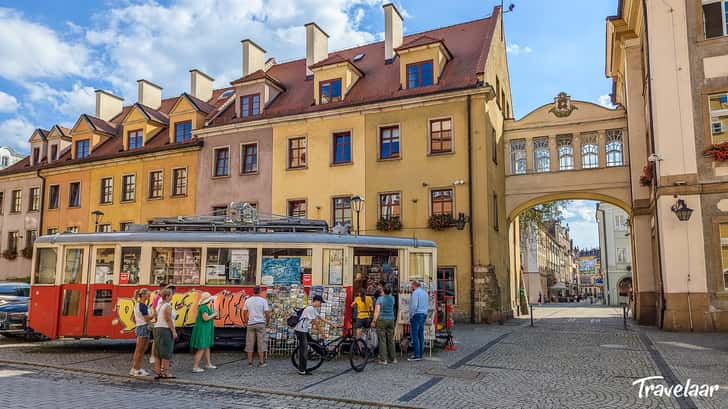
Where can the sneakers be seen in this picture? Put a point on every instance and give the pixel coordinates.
(143, 372)
(250, 364)
(197, 370)
(304, 373)
(382, 362)
(210, 367)
(394, 362)
(152, 359)
(414, 359)
(262, 365)
(140, 372)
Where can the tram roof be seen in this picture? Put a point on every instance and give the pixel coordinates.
(234, 237)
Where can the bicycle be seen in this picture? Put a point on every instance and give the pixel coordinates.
(321, 350)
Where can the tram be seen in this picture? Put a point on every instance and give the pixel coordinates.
(82, 285)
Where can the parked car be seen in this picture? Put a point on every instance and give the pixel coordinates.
(14, 301)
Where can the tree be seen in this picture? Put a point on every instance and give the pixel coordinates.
(543, 213)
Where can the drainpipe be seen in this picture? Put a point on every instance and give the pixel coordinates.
(470, 208)
(42, 201)
(655, 180)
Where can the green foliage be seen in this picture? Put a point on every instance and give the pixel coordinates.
(441, 221)
(547, 212)
(389, 224)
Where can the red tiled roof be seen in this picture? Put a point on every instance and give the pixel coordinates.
(468, 43)
(257, 75)
(418, 42)
(100, 125)
(334, 59)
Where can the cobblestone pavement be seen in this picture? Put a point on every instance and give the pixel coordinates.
(574, 356)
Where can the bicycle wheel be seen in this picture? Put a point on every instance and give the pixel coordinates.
(314, 357)
(358, 355)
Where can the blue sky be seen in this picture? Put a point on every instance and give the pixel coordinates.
(54, 54)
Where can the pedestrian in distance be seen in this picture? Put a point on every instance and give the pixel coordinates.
(384, 323)
(418, 315)
(364, 307)
(142, 320)
(310, 316)
(203, 333)
(164, 335)
(256, 317)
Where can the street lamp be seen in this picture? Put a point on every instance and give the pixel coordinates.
(681, 210)
(98, 214)
(356, 203)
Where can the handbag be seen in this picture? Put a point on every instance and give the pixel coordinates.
(371, 340)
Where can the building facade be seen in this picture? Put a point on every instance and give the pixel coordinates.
(547, 258)
(615, 253)
(8, 156)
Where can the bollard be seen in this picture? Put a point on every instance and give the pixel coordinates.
(624, 315)
(531, 309)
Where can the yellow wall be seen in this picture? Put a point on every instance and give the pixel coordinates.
(136, 120)
(184, 111)
(83, 131)
(432, 52)
(348, 78)
(64, 217)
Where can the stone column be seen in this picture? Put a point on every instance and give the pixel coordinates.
(602, 143)
(554, 153)
(530, 165)
(576, 144)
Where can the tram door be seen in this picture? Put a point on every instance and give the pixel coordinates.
(100, 292)
(73, 292)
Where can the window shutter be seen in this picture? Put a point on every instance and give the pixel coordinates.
(713, 20)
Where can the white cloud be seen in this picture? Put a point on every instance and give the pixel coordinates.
(15, 132)
(32, 50)
(8, 103)
(517, 49)
(606, 101)
(580, 216)
(72, 103)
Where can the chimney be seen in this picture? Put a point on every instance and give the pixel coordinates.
(201, 85)
(317, 46)
(150, 94)
(108, 105)
(392, 30)
(253, 57)
(269, 63)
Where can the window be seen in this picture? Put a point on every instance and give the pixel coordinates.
(249, 155)
(231, 266)
(297, 208)
(73, 266)
(2, 202)
(52, 230)
(620, 222)
(541, 155)
(107, 191)
(250, 105)
(219, 210)
(124, 226)
(715, 15)
(72, 229)
(30, 236)
(12, 245)
(135, 139)
(82, 148)
(54, 152)
(724, 252)
(130, 263)
(179, 182)
(621, 255)
(441, 135)
(441, 202)
(334, 266)
(566, 152)
(615, 156)
(183, 131)
(330, 91)
(518, 157)
(494, 145)
(718, 105)
(420, 266)
(445, 291)
(156, 184)
(4, 161)
(341, 210)
(45, 266)
(419, 74)
(36, 156)
(589, 152)
(497, 92)
(389, 205)
(104, 266)
(178, 265)
(342, 148)
(16, 201)
(34, 200)
(285, 266)
(53, 196)
(222, 160)
(496, 215)
(128, 188)
(104, 228)
(389, 142)
(297, 153)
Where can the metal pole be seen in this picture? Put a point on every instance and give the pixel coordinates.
(357, 222)
(624, 315)
(531, 310)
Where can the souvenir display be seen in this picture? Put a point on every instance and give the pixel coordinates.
(405, 294)
(333, 309)
(283, 301)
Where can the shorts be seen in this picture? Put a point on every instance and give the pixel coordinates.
(143, 331)
(255, 333)
(362, 323)
(163, 343)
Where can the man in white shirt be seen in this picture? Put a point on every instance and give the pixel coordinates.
(256, 316)
(303, 330)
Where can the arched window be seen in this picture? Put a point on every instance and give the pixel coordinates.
(566, 153)
(615, 156)
(589, 152)
(518, 157)
(541, 155)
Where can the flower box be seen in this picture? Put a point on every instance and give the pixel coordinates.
(389, 224)
(718, 152)
(646, 178)
(10, 254)
(441, 221)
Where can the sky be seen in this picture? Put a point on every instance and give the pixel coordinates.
(53, 55)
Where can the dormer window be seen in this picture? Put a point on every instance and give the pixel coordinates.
(183, 131)
(54, 152)
(135, 139)
(36, 156)
(419, 74)
(82, 148)
(250, 105)
(330, 91)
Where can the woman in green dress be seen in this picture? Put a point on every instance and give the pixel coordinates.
(203, 333)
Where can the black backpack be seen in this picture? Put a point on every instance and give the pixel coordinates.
(293, 320)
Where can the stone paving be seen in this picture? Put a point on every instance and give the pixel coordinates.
(574, 356)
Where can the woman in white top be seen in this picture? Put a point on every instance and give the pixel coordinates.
(141, 321)
(164, 335)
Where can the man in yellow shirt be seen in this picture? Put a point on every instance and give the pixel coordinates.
(362, 317)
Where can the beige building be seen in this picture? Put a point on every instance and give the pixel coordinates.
(546, 256)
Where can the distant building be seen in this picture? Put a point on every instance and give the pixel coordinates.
(547, 257)
(615, 256)
(8, 156)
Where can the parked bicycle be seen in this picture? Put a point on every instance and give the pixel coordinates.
(321, 350)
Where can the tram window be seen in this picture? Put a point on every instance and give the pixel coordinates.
(102, 303)
(178, 265)
(130, 258)
(334, 266)
(230, 266)
(73, 266)
(286, 266)
(45, 266)
(104, 266)
(71, 303)
(420, 266)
